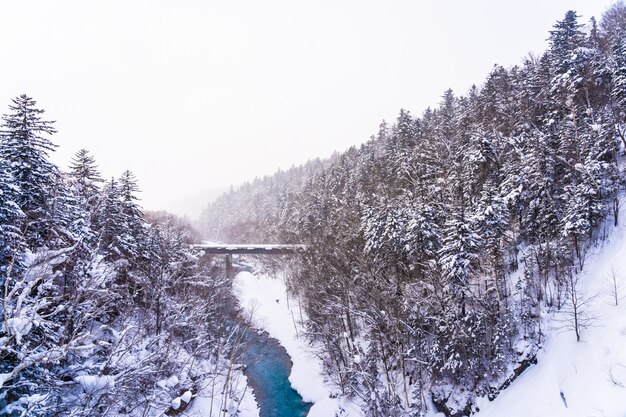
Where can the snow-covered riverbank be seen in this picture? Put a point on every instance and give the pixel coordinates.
(211, 401)
(571, 379)
(264, 299)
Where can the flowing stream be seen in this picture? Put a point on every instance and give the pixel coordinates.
(268, 367)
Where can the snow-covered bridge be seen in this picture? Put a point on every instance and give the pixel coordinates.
(246, 249)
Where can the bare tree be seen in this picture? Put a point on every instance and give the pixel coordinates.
(577, 312)
(615, 286)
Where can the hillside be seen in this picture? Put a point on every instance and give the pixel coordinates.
(440, 249)
(579, 378)
(590, 375)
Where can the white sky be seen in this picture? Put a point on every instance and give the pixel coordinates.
(193, 96)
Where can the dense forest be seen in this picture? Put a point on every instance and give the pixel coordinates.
(105, 309)
(436, 249)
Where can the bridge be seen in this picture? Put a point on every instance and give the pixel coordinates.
(246, 249)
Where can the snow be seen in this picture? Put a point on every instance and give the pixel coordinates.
(186, 397)
(577, 379)
(92, 384)
(175, 404)
(172, 381)
(4, 377)
(209, 402)
(19, 327)
(264, 299)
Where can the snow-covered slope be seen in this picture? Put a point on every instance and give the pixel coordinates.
(586, 378)
(573, 379)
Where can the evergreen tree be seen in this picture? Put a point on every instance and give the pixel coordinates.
(25, 149)
(11, 240)
(564, 40)
(493, 224)
(110, 222)
(618, 91)
(134, 221)
(86, 177)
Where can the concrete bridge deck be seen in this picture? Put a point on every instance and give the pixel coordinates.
(248, 249)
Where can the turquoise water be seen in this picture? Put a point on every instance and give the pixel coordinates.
(267, 368)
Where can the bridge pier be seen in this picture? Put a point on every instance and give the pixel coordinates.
(229, 265)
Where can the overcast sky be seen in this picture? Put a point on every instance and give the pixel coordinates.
(193, 96)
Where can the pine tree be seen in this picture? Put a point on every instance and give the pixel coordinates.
(86, 177)
(133, 216)
(109, 222)
(564, 40)
(493, 222)
(618, 92)
(25, 149)
(460, 255)
(11, 241)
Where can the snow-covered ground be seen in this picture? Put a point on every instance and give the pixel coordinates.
(264, 298)
(211, 401)
(578, 379)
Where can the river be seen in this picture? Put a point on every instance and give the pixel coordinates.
(267, 367)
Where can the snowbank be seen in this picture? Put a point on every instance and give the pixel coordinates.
(209, 402)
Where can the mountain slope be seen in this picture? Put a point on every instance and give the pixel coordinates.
(443, 251)
(586, 378)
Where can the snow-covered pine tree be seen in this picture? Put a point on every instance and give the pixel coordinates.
(493, 223)
(109, 222)
(83, 182)
(564, 40)
(135, 223)
(11, 239)
(24, 146)
(119, 221)
(86, 178)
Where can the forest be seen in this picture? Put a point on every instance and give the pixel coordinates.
(434, 251)
(436, 248)
(105, 309)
